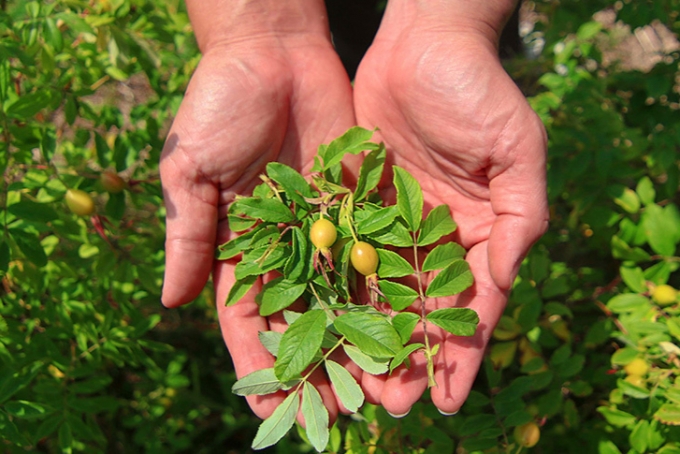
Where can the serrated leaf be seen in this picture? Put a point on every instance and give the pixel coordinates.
(377, 220)
(239, 289)
(631, 390)
(353, 141)
(316, 417)
(370, 172)
(395, 234)
(271, 341)
(405, 323)
(452, 280)
(639, 436)
(392, 264)
(668, 414)
(300, 260)
(403, 355)
(459, 321)
(299, 344)
(615, 417)
(373, 334)
(399, 296)
(409, 198)
(437, 224)
(278, 294)
(645, 190)
(442, 256)
(292, 182)
(366, 363)
(253, 264)
(278, 424)
(268, 210)
(260, 383)
(345, 386)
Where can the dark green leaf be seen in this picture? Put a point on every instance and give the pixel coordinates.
(299, 263)
(316, 417)
(239, 289)
(452, 280)
(33, 211)
(115, 206)
(278, 294)
(261, 382)
(345, 386)
(377, 220)
(4, 257)
(278, 424)
(291, 181)
(370, 172)
(409, 198)
(253, 264)
(405, 323)
(393, 265)
(268, 210)
(458, 321)
(399, 296)
(65, 437)
(394, 235)
(29, 104)
(403, 355)
(373, 334)
(29, 244)
(300, 344)
(24, 409)
(437, 224)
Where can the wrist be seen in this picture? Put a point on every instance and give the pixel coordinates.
(220, 22)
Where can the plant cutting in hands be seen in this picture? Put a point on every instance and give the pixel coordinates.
(337, 249)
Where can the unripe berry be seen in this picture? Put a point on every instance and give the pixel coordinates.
(664, 295)
(364, 258)
(323, 233)
(527, 435)
(636, 367)
(79, 202)
(112, 182)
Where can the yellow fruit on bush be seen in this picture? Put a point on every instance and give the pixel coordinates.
(636, 367)
(323, 233)
(636, 380)
(364, 258)
(664, 295)
(79, 202)
(112, 182)
(527, 435)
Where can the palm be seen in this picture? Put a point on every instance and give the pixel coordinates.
(452, 117)
(245, 106)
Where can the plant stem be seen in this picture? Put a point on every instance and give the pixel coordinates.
(423, 315)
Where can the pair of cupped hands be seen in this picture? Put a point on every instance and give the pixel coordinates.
(447, 112)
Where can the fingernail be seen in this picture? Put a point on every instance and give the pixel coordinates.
(399, 416)
(448, 414)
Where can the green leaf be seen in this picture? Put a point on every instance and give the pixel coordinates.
(354, 141)
(393, 265)
(278, 424)
(29, 244)
(437, 224)
(668, 414)
(458, 321)
(5, 257)
(377, 220)
(645, 190)
(607, 447)
(299, 344)
(299, 264)
(615, 417)
(628, 302)
(639, 436)
(260, 382)
(405, 323)
(395, 234)
(373, 334)
(588, 30)
(399, 296)
(631, 390)
(65, 437)
(403, 355)
(316, 417)
(452, 280)
(24, 409)
(409, 198)
(278, 294)
(294, 184)
(252, 263)
(370, 172)
(345, 386)
(268, 210)
(271, 341)
(239, 290)
(25, 107)
(624, 197)
(442, 256)
(634, 278)
(33, 211)
(621, 250)
(365, 362)
(660, 230)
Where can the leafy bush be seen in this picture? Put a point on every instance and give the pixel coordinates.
(587, 348)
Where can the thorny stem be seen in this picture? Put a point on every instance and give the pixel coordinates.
(423, 315)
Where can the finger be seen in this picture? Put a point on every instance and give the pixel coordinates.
(459, 358)
(240, 325)
(518, 196)
(320, 382)
(405, 386)
(191, 220)
(373, 386)
(341, 358)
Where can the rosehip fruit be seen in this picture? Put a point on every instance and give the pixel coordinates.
(79, 202)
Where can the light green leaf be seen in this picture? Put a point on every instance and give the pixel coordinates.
(588, 30)
(278, 424)
(615, 417)
(668, 414)
(659, 229)
(607, 447)
(373, 334)
(365, 362)
(442, 256)
(405, 323)
(268, 210)
(437, 224)
(294, 184)
(299, 344)
(634, 278)
(399, 296)
(409, 198)
(623, 356)
(395, 234)
(278, 294)
(271, 341)
(370, 172)
(24, 409)
(252, 263)
(627, 302)
(458, 321)
(621, 250)
(260, 382)
(392, 264)
(346, 387)
(316, 417)
(239, 289)
(645, 190)
(639, 436)
(377, 220)
(403, 355)
(624, 197)
(631, 390)
(29, 104)
(354, 141)
(452, 280)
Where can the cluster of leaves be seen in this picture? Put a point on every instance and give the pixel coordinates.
(275, 223)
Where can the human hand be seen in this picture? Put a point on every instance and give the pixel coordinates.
(263, 91)
(451, 116)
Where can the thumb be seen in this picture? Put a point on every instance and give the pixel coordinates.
(191, 223)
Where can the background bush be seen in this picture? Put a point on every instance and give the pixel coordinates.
(89, 362)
